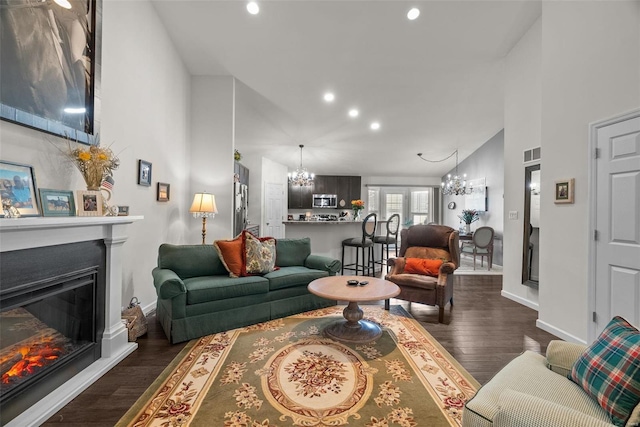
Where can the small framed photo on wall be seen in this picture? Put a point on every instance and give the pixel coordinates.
(564, 191)
(163, 192)
(89, 203)
(144, 173)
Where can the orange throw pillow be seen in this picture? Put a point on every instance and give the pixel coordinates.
(426, 267)
(231, 255)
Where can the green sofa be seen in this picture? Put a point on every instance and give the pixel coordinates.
(196, 296)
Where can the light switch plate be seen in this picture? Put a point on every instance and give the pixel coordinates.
(513, 214)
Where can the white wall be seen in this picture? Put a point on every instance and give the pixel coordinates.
(522, 115)
(259, 123)
(487, 163)
(211, 162)
(590, 71)
(145, 109)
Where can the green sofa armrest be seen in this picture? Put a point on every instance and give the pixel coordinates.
(318, 262)
(168, 284)
(523, 410)
(562, 355)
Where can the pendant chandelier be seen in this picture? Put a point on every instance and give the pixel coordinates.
(301, 176)
(456, 185)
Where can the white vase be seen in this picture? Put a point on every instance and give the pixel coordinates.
(467, 229)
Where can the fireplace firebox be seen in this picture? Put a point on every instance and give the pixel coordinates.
(51, 319)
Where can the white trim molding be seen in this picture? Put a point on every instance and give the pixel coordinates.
(527, 303)
(24, 233)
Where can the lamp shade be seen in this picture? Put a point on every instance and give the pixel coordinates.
(203, 203)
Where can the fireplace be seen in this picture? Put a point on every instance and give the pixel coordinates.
(50, 301)
(60, 302)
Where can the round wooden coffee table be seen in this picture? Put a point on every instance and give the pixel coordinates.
(353, 329)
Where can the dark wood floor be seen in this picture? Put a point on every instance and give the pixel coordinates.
(484, 331)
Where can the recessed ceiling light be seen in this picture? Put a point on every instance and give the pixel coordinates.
(354, 112)
(253, 8)
(375, 125)
(329, 97)
(413, 13)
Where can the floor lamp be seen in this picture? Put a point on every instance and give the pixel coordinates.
(204, 206)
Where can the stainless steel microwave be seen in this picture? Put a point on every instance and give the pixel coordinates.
(325, 201)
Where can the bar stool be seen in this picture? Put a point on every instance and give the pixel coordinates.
(364, 242)
(393, 225)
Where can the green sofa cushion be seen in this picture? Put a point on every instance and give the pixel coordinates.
(290, 252)
(213, 288)
(191, 260)
(288, 277)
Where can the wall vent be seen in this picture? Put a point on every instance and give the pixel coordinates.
(532, 154)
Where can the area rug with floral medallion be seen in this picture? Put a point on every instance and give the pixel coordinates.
(286, 373)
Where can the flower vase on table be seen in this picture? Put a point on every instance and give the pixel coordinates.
(357, 215)
(468, 216)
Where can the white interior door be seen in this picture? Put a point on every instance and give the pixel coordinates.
(274, 210)
(617, 225)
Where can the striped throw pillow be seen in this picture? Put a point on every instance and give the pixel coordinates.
(609, 370)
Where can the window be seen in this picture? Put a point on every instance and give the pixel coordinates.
(373, 200)
(419, 209)
(413, 204)
(394, 203)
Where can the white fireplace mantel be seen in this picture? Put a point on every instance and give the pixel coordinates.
(26, 233)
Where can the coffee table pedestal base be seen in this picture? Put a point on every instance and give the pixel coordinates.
(354, 329)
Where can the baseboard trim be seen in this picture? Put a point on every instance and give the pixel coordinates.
(149, 307)
(559, 332)
(527, 303)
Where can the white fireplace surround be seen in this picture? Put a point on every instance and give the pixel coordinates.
(26, 233)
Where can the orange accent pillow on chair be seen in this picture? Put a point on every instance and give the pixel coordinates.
(426, 267)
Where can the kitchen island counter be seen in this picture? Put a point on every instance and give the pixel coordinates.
(327, 236)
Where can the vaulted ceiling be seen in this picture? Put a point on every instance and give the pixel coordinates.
(434, 84)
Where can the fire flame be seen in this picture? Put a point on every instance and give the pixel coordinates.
(33, 358)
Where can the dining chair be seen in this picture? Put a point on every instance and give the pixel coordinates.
(480, 246)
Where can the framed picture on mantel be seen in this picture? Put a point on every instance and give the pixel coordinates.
(18, 190)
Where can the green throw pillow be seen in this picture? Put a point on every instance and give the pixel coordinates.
(291, 252)
(609, 370)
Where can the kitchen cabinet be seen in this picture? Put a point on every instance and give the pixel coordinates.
(300, 197)
(348, 189)
(325, 184)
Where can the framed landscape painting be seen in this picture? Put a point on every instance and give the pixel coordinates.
(18, 188)
(57, 202)
(51, 67)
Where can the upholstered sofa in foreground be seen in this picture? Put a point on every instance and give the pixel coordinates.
(534, 391)
(196, 296)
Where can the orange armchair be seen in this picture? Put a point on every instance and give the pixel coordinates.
(431, 242)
